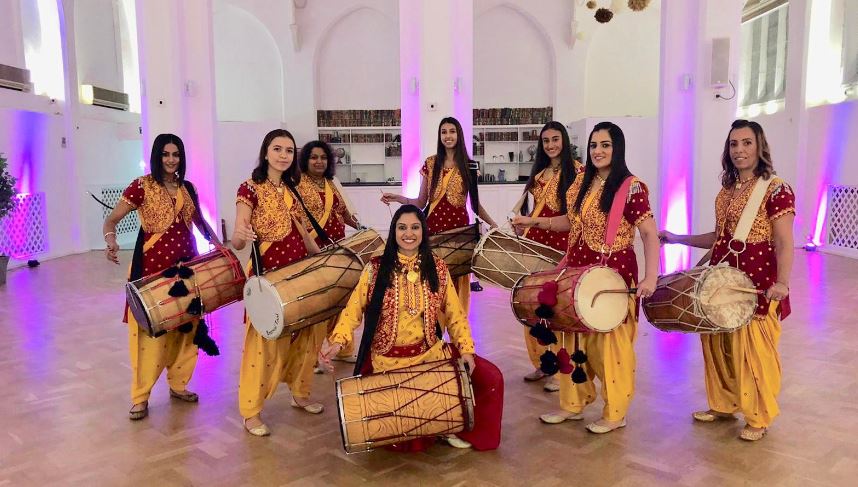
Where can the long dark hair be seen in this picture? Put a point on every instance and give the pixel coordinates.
(156, 164)
(304, 159)
(387, 267)
(765, 167)
(460, 154)
(567, 165)
(619, 169)
(291, 177)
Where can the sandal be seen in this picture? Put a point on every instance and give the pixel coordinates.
(710, 416)
(748, 434)
(312, 408)
(534, 376)
(600, 429)
(186, 396)
(138, 414)
(560, 416)
(261, 430)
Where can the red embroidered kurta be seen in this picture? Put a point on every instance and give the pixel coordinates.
(547, 190)
(450, 211)
(271, 219)
(587, 236)
(156, 210)
(759, 259)
(314, 198)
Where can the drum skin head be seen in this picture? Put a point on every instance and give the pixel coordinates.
(264, 308)
(727, 308)
(137, 308)
(610, 310)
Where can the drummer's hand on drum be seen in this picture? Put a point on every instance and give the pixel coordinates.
(327, 353)
(522, 222)
(388, 198)
(665, 237)
(777, 291)
(468, 358)
(646, 287)
(244, 232)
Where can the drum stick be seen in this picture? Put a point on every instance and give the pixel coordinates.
(388, 205)
(612, 291)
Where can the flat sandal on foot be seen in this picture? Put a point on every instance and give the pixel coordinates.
(313, 408)
(535, 376)
(560, 417)
(186, 396)
(140, 413)
(261, 430)
(709, 416)
(749, 435)
(602, 429)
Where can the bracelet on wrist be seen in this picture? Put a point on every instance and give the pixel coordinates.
(109, 233)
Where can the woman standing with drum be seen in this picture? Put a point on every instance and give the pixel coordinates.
(449, 182)
(324, 201)
(267, 211)
(610, 355)
(742, 368)
(166, 205)
(409, 298)
(553, 173)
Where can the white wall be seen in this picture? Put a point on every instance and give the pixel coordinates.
(11, 45)
(513, 60)
(357, 62)
(97, 44)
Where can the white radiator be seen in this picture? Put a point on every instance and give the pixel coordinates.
(842, 220)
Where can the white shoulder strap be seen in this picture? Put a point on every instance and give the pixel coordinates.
(749, 213)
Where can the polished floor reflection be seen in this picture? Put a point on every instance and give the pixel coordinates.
(64, 374)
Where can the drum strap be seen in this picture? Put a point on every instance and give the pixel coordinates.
(257, 268)
(135, 270)
(749, 212)
(290, 200)
(329, 205)
(616, 214)
(541, 200)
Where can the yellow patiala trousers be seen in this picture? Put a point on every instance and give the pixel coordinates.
(463, 290)
(611, 358)
(743, 369)
(266, 363)
(534, 349)
(174, 351)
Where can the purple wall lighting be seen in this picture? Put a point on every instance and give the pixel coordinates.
(831, 161)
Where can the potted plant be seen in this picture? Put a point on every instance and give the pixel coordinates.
(7, 203)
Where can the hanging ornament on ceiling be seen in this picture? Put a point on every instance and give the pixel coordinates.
(604, 15)
(638, 5)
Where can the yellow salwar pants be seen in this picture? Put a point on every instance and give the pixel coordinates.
(743, 369)
(463, 290)
(174, 351)
(534, 349)
(611, 358)
(266, 363)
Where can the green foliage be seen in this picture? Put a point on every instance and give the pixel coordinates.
(7, 188)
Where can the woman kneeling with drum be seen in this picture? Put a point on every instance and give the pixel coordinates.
(166, 205)
(742, 368)
(610, 356)
(267, 210)
(409, 298)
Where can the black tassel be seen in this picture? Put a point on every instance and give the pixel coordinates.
(170, 272)
(204, 341)
(186, 328)
(182, 260)
(185, 272)
(578, 375)
(579, 357)
(542, 334)
(178, 289)
(439, 333)
(195, 307)
(548, 363)
(545, 312)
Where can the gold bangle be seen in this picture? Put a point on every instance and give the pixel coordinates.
(549, 224)
(109, 233)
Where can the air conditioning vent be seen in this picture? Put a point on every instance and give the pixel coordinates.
(15, 78)
(93, 95)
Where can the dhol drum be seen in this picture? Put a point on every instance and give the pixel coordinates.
(429, 399)
(456, 247)
(504, 258)
(303, 293)
(592, 298)
(366, 244)
(702, 300)
(216, 278)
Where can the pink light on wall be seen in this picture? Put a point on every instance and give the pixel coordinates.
(675, 257)
(410, 38)
(819, 224)
(839, 118)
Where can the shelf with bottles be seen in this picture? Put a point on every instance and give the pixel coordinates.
(505, 144)
(376, 150)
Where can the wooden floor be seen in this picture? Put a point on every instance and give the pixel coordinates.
(64, 376)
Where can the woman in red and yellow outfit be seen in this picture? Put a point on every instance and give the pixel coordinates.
(743, 368)
(166, 206)
(610, 356)
(448, 183)
(409, 298)
(267, 210)
(553, 173)
(325, 203)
